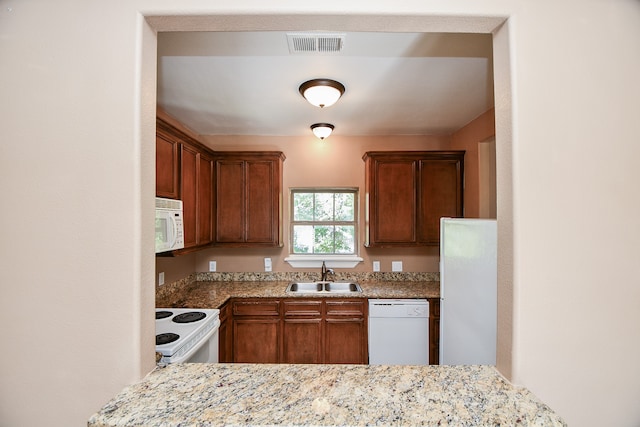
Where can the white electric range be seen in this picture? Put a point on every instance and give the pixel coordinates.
(187, 335)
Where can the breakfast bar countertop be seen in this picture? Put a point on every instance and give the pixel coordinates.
(212, 294)
(323, 395)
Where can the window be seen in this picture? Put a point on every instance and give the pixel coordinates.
(323, 221)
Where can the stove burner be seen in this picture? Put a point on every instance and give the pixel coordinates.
(163, 314)
(166, 338)
(189, 317)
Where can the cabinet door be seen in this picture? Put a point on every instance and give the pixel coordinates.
(302, 332)
(205, 199)
(391, 188)
(346, 332)
(248, 198)
(230, 199)
(188, 193)
(440, 195)
(256, 331)
(407, 194)
(434, 331)
(167, 156)
(260, 214)
(225, 334)
(256, 340)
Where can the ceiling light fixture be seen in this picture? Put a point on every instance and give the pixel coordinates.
(322, 92)
(322, 130)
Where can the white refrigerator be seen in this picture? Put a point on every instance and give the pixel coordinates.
(468, 291)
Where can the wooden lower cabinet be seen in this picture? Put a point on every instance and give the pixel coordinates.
(225, 334)
(256, 330)
(256, 340)
(434, 331)
(302, 331)
(299, 331)
(346, 332)
(302, 341)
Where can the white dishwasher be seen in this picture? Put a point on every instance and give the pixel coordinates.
(398, 332)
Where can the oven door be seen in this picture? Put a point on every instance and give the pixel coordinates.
(205, 352)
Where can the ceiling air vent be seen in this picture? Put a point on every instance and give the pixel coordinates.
(315, 42)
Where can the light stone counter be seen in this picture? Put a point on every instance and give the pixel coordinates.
(323, 395)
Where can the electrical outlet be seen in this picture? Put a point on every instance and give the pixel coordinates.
(396, 265)
(161, 279)
(267, 264)
(212, 266)
(376, 265)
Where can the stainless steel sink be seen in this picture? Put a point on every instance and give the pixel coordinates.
(305, 287)
(342, 287)
(323, 287)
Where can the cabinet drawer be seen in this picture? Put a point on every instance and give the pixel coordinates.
(352, 308)
(256, 308)
(302, 308)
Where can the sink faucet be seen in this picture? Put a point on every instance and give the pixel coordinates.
(324, 271)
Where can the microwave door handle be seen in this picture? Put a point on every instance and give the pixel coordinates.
(174, 236)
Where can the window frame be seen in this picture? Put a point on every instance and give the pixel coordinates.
(356, 220)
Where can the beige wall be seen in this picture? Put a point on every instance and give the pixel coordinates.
(77, 106)
(468, 138)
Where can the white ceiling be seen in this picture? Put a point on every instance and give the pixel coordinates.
(246, 83)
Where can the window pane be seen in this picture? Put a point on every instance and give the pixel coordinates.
(344, 207)
(323, 239)
(344, 237)
(302, 239)
(315, 217)
(324, 207)
(303, 206)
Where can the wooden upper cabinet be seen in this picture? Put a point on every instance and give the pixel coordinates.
(407, 192)
(205, 199)
(185, 171)
(188, 193)
(248, 198)
(440, 196)
(196, 190)
(167, 161)
(395, 195)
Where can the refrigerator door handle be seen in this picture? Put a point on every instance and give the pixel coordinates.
(441, 280)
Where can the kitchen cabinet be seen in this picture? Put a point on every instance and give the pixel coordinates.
(225, 334)
(196, 193)
(248, 202)
(185, 171)
(346, 332)
(167, 161)
(434, 331)
(296, 330)
(302, 331)
(256, 331)
(406, 194)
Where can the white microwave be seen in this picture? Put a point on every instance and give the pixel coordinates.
(169, 229)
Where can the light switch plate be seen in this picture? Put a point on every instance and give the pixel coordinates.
(376, 265)
(161, 279)
(267, 264)
(212, 266)
(396, 265)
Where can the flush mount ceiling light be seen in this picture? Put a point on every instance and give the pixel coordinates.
(321, 92)
(322, 130)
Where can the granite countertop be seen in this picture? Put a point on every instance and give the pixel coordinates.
(212, 294)
(323, 395)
